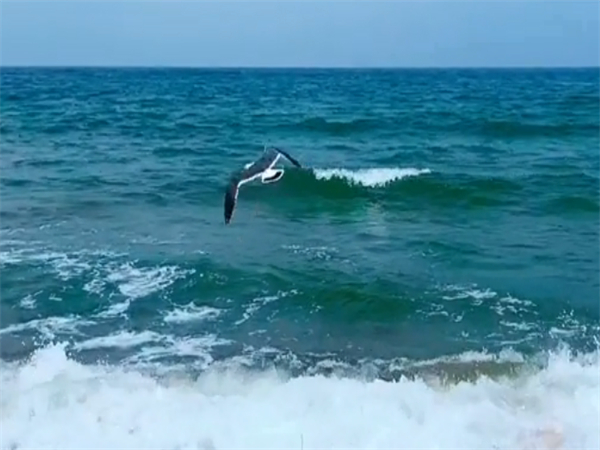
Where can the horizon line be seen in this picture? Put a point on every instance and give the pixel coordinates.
(291, 67)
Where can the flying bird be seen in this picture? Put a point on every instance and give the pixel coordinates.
(263, 168)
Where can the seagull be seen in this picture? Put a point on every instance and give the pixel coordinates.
(263, 168)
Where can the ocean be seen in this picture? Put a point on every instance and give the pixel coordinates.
(428, 279)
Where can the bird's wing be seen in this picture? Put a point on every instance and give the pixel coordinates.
(293, 160)
(231, 193)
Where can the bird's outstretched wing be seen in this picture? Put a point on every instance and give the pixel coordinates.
(293, 160)
(231, 193)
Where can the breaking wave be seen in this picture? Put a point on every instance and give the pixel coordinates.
(54, 401)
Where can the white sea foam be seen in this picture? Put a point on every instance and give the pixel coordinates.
(29, 301)
(318, 252)
(134, 283)
(121, 339)
(198, 348)
(49, 326)
(54, 402)
(259, 302)
(12, 256)
(373, 177)
(499, 303)
(153, 346)
(192, 313)
(66, 266)
(131, 281)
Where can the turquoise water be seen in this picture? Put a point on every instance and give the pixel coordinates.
(445, 226)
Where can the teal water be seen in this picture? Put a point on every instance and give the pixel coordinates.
(440, 213)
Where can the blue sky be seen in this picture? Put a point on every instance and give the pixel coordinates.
(307, 33)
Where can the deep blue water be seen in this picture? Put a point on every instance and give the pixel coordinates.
(438, 211)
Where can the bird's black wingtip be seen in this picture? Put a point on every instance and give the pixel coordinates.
(293, 160)
(230, 200)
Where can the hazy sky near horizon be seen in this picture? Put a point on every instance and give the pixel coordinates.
(302, 33)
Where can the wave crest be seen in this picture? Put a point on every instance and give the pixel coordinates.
(372, 177)
(404, 184)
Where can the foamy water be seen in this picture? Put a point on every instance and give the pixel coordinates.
(192, 313)
(54, 402)
(373, 177)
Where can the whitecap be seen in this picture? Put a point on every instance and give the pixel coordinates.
(371, 177)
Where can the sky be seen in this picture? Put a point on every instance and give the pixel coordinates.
(284, 33)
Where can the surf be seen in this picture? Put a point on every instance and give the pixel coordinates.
(70, 405)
